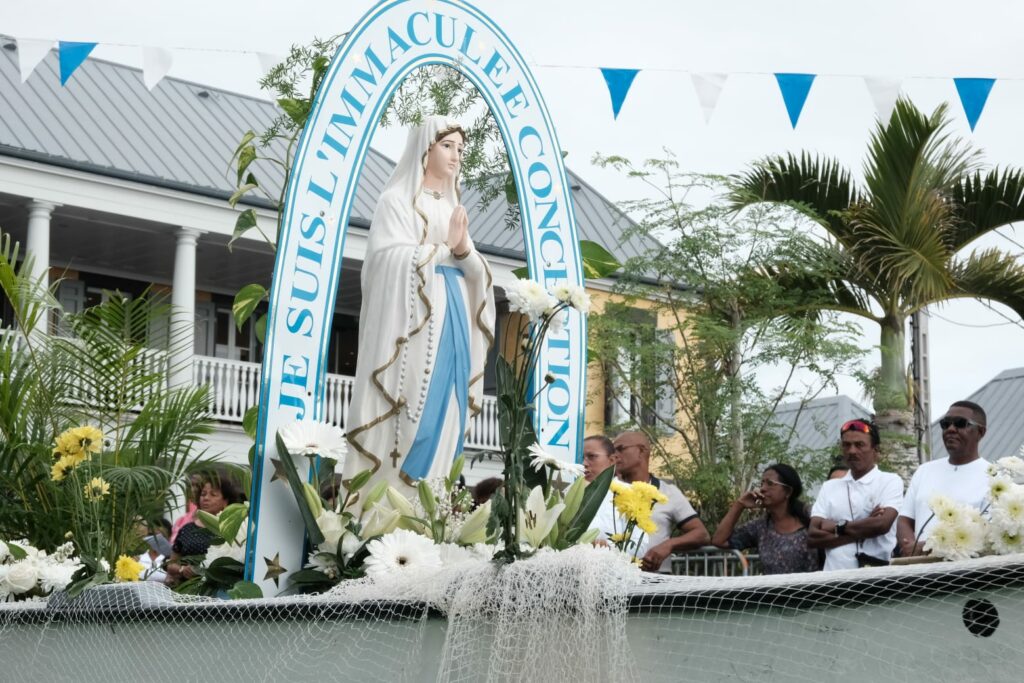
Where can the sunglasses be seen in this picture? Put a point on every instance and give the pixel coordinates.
(958, 422)
(856, 426)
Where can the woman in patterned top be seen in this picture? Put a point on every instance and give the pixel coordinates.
(215, 494)
(780, 535)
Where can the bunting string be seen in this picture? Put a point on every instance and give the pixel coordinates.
(794, 88)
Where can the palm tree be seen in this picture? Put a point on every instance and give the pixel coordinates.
(896, 242)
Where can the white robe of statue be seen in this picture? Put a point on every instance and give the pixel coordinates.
(425, 327)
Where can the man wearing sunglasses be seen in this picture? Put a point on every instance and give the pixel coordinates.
(963, 476)
(854, 517)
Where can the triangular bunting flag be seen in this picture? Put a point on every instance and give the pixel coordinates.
(619, 81)
(71, 57)
(794, 88)
(708, 88)
(268, 61)
(30, 53)
(156, 62)
(973, 95)
(884, 93)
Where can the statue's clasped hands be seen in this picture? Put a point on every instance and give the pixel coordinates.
(458, 232)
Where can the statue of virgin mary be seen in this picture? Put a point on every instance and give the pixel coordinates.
(426, 322)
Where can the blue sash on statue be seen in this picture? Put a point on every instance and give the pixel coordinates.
(451, 372)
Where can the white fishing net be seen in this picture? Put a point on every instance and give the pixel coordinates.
(574, 615)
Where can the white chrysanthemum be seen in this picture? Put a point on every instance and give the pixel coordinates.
(574, 295)
(940, 540)
(529, 298)
(22, 577)
(56, 577)
(539, 459)
(1007, 512)
(1004, 542)
(310, 438)
(1013, 467)
(401, 552)
(968, 539)
(946, 509)
(998, 485)
(456, 555)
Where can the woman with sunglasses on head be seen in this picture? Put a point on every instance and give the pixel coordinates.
(780, 535)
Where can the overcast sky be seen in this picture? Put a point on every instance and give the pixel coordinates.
(925, 43)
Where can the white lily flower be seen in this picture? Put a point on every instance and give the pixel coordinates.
(474, 529)
(310, 438)
(536, 520)
(539, 459)
(380, 521)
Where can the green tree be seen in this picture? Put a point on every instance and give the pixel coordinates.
(694, 378)
(104, 370)
(896, 242)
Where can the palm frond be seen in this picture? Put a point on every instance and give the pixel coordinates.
(984, 203)
(992, 275)
(817, 187)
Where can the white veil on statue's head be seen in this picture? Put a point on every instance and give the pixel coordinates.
(407, 178)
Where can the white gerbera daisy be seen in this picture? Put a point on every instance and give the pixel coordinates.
(401, 552)
(310, 438)
(539, 459)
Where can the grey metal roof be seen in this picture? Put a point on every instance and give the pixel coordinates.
(817, 421)
(1003, 401)
(181, 135)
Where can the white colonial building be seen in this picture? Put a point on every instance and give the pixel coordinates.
(116, 188)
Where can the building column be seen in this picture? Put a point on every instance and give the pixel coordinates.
(37, 242)
(183, 308)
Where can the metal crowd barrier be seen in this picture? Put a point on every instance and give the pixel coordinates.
(710, 560)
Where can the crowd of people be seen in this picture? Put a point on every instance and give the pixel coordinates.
(860, 517)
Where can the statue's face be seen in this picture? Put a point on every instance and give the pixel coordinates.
(445, 156)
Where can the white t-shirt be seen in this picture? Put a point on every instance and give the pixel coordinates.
(667, 516)
(849, 499)
(962, 483)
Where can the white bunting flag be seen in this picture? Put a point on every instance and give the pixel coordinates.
(156, 62)
(30, 53)
(268, 61)
(708, 88)
(884, 93)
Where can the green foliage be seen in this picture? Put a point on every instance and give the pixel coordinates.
(109, 372)
(696, 319)
(895, 243)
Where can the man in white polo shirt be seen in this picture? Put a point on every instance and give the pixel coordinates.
(963, 476)
(854, 518)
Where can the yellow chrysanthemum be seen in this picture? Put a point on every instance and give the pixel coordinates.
(61, 468)
(90, 439)
(619, 537)
(649, 493)
(96, 489)
(646, 523)
(67, 445)
(127, 569)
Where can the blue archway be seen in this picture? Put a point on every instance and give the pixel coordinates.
(390, 41)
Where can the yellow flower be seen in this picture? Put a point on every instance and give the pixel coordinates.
(96, 489)
(619, 537)
(67, 445)
(649, 493)
(90, 439)
(127, 569)
(61, 468)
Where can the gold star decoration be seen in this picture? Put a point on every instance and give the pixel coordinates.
(274, 569)
(279, 472)
(558, 484)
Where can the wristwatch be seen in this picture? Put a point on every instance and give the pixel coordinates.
(841, 528)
